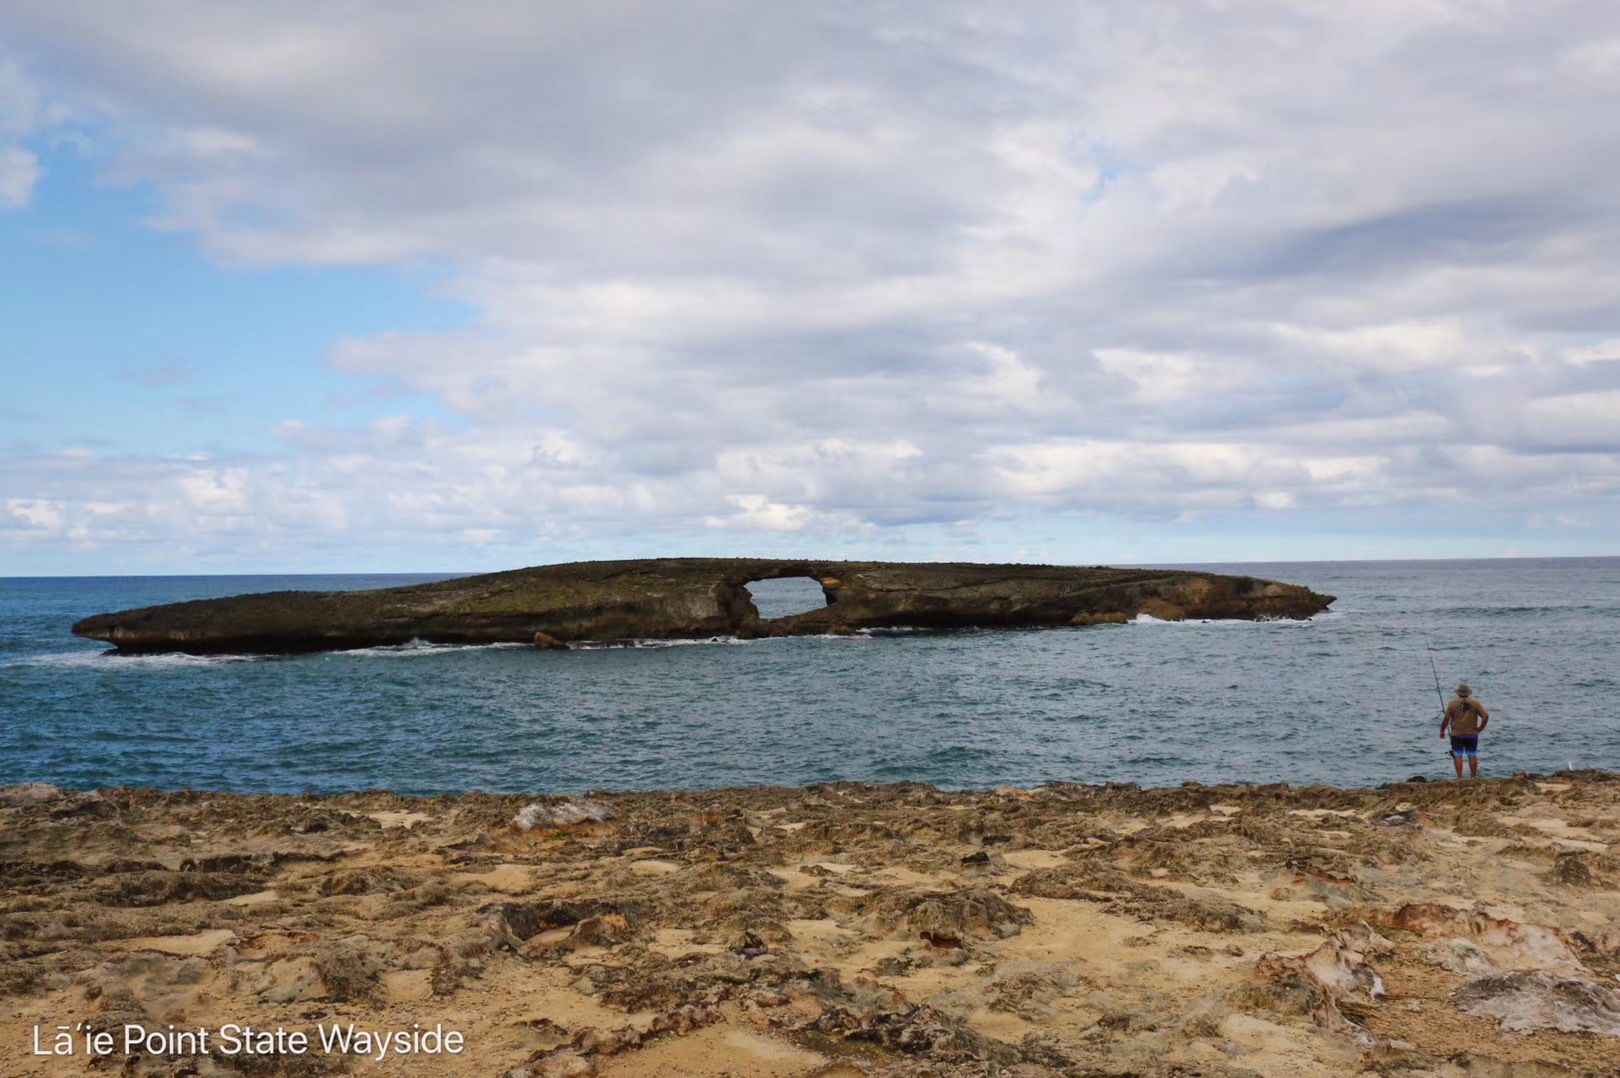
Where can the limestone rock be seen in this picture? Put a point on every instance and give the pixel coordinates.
(689, 598)
(1524, 1000)
(1319, 984)
(569, 812)
(1570, 868)
(947, 915)
(1163, 610)
(116, 1007)
(724, 930)
(21, 794)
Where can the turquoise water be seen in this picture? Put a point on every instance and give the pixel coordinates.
(1346, 699)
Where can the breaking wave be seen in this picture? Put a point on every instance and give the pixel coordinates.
(114, 660)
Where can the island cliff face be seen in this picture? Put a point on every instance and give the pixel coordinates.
(690, 598)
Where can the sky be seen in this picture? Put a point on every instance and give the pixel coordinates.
(391, 285)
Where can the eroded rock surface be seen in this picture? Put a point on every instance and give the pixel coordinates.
(834, 931)
(690, 598)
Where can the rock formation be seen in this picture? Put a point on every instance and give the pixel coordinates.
(837, 931)
(688, 598)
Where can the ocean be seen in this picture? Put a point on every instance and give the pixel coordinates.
(1346, 699)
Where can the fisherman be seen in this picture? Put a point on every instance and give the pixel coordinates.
(1467, 718)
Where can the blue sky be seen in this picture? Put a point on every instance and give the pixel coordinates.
(394, 288)
(126, 339)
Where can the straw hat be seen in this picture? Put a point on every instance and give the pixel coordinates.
(1464, 690)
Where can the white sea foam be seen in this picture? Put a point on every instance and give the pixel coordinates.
(710, 641)
(112, 660)
(659, 643)
(419, 648)
(1227, 623)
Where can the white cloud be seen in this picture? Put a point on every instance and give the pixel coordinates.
(1605, 351)
(755, 511)
(812, 269)
(212, 491)
(35, 514)
(1591, 419)
(1275, 499)
(19, 171)
(1392, 348)
(1008, 381)
(1158, 376)
(23, 113)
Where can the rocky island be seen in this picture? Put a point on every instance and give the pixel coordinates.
(691, 598)
(1431, 930)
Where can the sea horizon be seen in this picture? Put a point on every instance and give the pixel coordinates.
(775, 557)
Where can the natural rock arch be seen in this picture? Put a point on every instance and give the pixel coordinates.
(787, 596)
(691, 598)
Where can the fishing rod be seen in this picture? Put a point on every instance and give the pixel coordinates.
(1438, 692)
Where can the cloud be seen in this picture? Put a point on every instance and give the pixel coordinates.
(19, 171)
(833, 269)
(23, 113)
(755, 512)
(1583, 420)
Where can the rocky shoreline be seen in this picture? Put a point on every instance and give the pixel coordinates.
(838, 930)
(690, 598)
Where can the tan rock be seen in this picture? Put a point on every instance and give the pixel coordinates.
(1082, 930)
(1163, 611)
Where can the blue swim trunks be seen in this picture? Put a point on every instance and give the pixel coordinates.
(1465, 746)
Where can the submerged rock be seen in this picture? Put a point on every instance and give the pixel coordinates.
(690, 598)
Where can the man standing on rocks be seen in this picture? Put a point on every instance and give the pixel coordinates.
(1467, 718)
